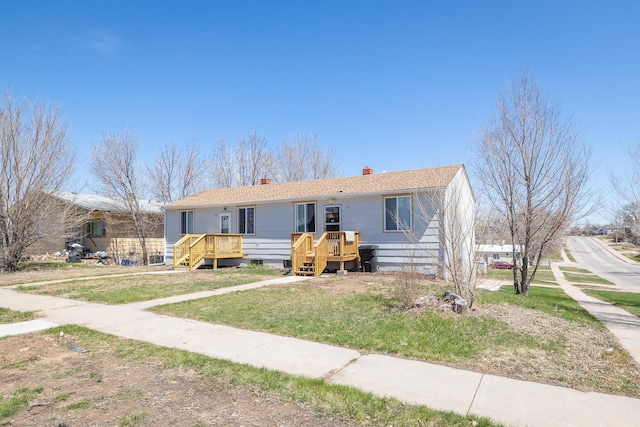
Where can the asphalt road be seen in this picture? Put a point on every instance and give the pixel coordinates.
(593, 256)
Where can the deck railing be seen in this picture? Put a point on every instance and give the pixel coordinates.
(226, 244)
(181, 249)
(301, 249)
(322, 251)
(195, 248)
(338, 246)
(197, 251)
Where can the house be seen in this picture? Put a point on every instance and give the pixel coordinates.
(99, 224)
(496, 252)
(393, 214)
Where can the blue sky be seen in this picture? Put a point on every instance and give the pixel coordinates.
(389, 84)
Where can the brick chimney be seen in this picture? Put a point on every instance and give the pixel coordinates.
(265, 181)
(367, 171)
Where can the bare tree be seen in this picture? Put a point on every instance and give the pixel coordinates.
(441, 237)
(628, 188)
(533, 171)
(177, 172)
(255, 160)
(302, 158)
(36, 159)
(114, 165)
(223, 166)
(629, 216)
(457, 218)
(245, 164)
(452, 211)
(491, 227)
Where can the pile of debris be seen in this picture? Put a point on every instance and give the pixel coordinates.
(450, 301)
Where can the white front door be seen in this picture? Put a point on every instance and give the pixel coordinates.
(225, 222)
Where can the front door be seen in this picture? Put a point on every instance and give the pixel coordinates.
(225, 221)
(332, 218)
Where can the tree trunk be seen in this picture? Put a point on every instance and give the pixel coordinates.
(525, 282)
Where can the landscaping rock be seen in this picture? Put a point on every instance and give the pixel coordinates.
(460, 305)
(457, 303)
(450, 296)
(426, 301)
(444, 308)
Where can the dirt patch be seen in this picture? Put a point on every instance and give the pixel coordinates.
(353, 283)
(97, 388)
(580, 356)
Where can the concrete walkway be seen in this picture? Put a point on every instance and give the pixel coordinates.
(622, 324)
(509, 401)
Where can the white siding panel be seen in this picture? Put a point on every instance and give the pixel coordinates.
(274, 221)
(271, 251)
(208, 220)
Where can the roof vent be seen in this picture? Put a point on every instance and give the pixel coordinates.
(265, 181)
(367, 171)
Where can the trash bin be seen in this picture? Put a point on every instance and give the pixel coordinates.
(74, 258)
(368, 258)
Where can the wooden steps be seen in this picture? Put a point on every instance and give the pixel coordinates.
(307, 269)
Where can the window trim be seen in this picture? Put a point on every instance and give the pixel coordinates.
(185, 230)
(328, 225)
(306, 219)
(222, 215)
(398, 229)
(241, 226)
(91, 228)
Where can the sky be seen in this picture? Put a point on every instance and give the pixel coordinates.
(393, 85)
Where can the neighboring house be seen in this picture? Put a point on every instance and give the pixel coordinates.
(491, 253)
(99, 223)
(396, 211)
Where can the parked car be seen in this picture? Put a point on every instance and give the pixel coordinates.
(502, 265)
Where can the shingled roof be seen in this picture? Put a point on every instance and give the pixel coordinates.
(94, 202)
(323, 188)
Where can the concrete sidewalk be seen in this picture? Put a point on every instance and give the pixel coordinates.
(622, 324)
(505, 400)
(614, 252)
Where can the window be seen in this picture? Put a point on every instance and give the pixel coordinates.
(225, 223)
(186, 222)
(306, 217)
(246, 220)
(397, 213)
(96, 228)
(332, 218)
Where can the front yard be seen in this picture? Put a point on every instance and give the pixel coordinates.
(31, 272)
(136, 288)
(546, 337)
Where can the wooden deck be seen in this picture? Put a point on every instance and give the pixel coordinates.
(193, 249)
(311, 259)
